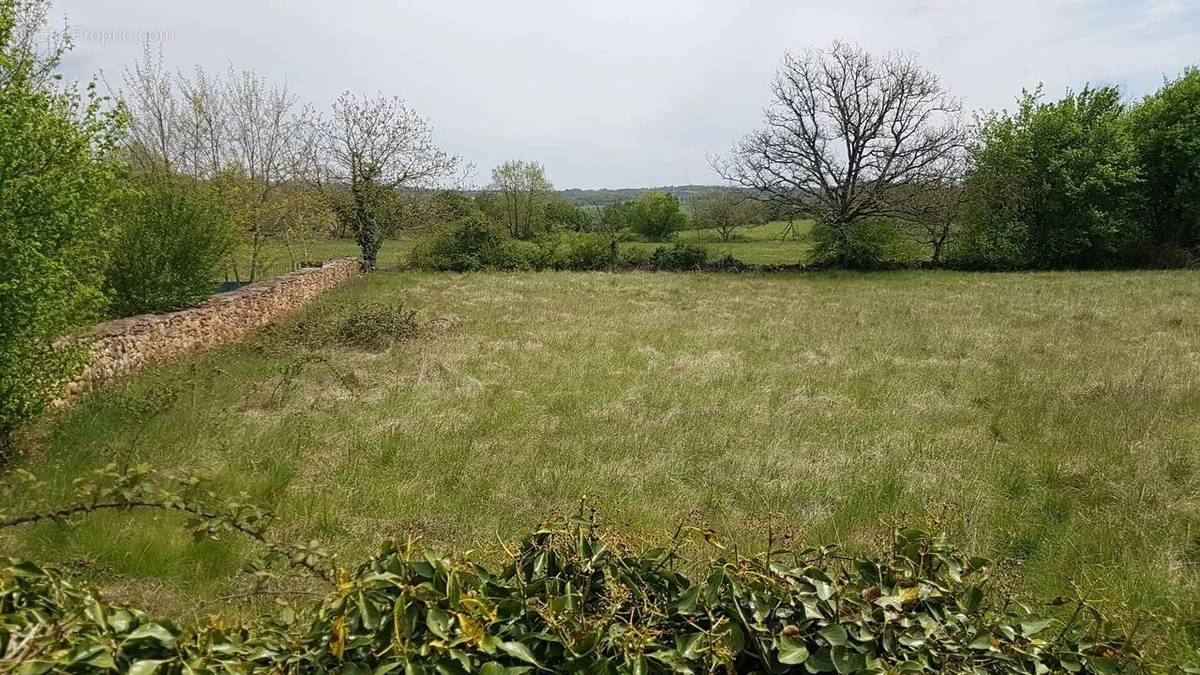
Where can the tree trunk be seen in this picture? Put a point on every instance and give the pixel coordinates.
(366, 228)
(844, 244)
(936, 259)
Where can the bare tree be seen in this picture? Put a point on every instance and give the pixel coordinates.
(204, 124)
(727, 211)
(378, 145)
(262, 123)
(244, 136)
(265, 142)
(523, 190)
(849, 136)
(155, 137)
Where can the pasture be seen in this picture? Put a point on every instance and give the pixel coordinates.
(775, 243)
(1048, 420)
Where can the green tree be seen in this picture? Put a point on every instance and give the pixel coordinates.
(560, 214)
(1166, 131)
(617, 217)
(522, 192)
(1054, 183)
(173, 238)
(655, 215)
(54, 192)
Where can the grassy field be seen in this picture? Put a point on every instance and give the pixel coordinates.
(770, 244)
(757, 246)
(1049, 420)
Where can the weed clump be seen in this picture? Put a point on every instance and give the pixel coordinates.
(371, 325)
(377, 325)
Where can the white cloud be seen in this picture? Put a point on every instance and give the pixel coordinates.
(628, 92)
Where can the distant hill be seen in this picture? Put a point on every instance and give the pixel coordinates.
(605, 197)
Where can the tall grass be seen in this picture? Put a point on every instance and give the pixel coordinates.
(1048, 419)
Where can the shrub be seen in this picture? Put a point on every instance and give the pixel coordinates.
(173, 239)
(874, 243)
(366, 325)
(469, 244)
(474, 244)
(1067, 172)
(377, 325)
(576, 251)
(728, 263)
(54, 191)
(559, 214)
(520, 256)
(655, 215)
(989, 245)
(633, 257)
(574, 599)
(680, 257)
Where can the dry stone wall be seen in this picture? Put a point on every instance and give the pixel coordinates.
(124, 346)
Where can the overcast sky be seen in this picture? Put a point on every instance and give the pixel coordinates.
(617, 93)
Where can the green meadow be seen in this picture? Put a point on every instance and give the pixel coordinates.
(1050, 421)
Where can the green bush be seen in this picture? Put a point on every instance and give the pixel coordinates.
(474, 244)
(173, 239)
(520, 256)
(1067, 172)
(654, 215)
(633, 257)
(576, 251)
(1166, 132)
(574, 599)
(560, 215)
(55, 185)
(469, 244)
(989, 245)
(679, 258)
(875, 243)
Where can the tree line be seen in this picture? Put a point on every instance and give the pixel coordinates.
(876, 149)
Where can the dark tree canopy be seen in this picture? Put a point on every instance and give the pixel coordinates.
(1057, 180)
(1166, 132)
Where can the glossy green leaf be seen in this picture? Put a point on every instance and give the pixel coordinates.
(792, 651)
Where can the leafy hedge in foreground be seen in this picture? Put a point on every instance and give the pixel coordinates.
(574, 599)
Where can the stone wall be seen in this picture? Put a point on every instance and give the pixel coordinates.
(124, 346)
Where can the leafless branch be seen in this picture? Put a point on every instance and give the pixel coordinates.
(849, 136)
